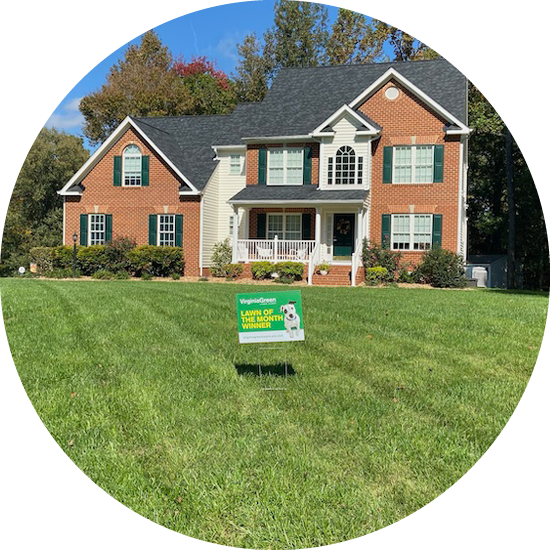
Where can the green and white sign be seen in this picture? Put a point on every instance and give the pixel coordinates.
(270, 317)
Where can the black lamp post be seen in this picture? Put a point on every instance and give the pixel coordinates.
(75, 237)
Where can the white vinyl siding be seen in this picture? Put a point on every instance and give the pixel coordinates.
(285, 166)
(96, 229)
(411, 231)
(413, 164)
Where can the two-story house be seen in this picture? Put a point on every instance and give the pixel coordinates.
(332, 155)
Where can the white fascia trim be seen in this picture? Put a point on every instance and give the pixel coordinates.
(342, 110)
(240, 147)
(194, 193)
(289, 204)
(392, 73)
(275, 139)
(461, 132)
(98, 155)
(322, 134)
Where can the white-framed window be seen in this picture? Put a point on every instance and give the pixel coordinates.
(131, 166)
(96, 229)
(167, 230)
(413, 164)
(411, 231)
(285, 166)
(345, 168)
(235, 164)
(284, 226)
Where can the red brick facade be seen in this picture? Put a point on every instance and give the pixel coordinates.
(130, 206)
(406, 121)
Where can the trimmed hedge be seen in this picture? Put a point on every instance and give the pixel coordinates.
(290, 270)
(262, 270)
(442, 269)
(377, 275)
(92, 258)
(158, 261)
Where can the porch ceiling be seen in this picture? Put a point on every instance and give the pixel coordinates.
(310, 194)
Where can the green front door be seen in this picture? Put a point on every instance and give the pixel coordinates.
(344, 236)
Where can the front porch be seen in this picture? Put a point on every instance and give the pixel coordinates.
(331, 233)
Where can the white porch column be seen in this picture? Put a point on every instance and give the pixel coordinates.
(317, 225)
(235, 258)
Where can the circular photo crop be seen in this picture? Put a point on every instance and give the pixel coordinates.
(275, 275)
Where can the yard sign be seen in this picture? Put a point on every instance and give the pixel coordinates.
(270, 317)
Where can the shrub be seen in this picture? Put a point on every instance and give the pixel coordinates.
(293, 270)
(285, 280)
(175, 276)
(442, 269)
(116, 253)
(63, 256)
(262, 270)
(62, 273)
(405, 276)
(222, 255)
(146, 276)
(377, 275)
(122, 275)
(234, 270)
(43, 257)
(92, 258)
(203, 279)
(103, 274)
(158, 261)
(376, 256)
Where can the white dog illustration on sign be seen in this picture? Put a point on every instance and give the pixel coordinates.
(292, 319)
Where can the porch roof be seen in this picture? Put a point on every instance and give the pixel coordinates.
(311, 194)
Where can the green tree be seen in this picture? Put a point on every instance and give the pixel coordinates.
(348, 34)
(35, 212)
(254, 70)
(142, 84)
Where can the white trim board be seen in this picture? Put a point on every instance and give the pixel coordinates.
(105, 146)
(345, 109)
(392, 73)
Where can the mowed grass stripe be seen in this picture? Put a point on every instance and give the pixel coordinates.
(396, 394)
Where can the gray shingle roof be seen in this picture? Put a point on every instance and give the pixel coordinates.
(294, 193)
(299, 100)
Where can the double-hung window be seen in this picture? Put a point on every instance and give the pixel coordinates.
(285, 166)
(131, 166)
(235, 165)
(167, 230)
(411, 231)
(413, 164)
(284, 226)
(96, 229)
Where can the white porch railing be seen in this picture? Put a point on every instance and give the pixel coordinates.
(313, 261)
(273, 250)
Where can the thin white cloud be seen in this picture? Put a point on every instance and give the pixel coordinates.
(227, 46)
(67, 116)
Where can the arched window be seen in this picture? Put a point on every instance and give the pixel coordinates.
(345, 168)
(131, 165)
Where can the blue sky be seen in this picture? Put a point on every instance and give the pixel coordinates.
(214, 32)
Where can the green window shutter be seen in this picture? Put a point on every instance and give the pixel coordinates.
(145, 171)
(388, 165)
(84, 229)
(179, 229)
(117, 171)
(307, 166)
(438, 163)
(306, 227)
(436, 229)
(262, 166)
(108, 228)
(261, 221)
(386, 230)
(153, 229)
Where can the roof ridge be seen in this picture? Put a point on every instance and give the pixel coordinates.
(369, 64)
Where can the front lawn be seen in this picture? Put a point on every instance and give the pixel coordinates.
(394, 396)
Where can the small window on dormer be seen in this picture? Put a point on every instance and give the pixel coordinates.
(235, 164)
(131, 165)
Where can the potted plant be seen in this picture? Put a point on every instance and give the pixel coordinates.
(274, 275)
(322, 269)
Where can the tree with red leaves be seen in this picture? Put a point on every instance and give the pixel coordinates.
(211, 90)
